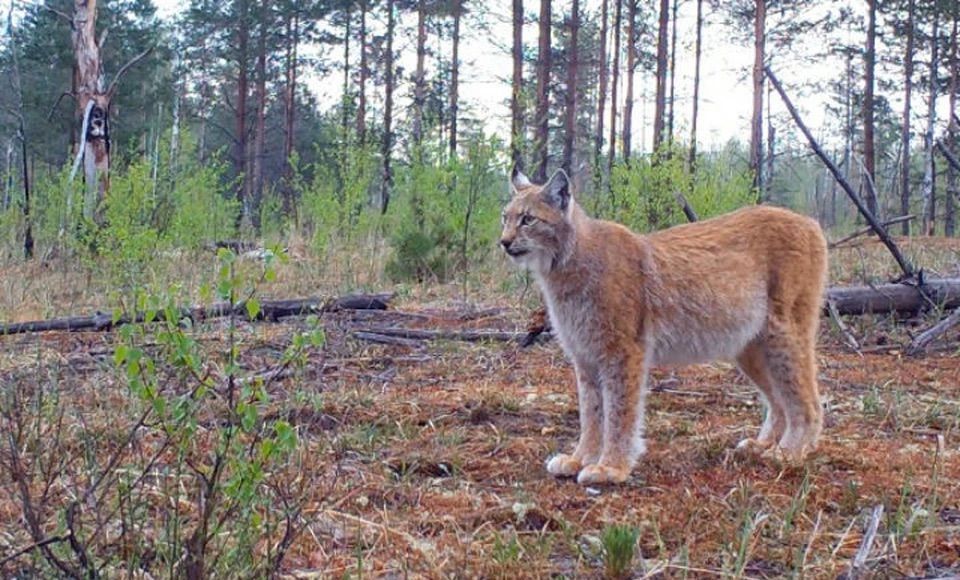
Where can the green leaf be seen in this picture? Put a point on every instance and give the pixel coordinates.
(253, 308)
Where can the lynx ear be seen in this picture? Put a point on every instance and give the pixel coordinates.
(518, 180)
(557, 191)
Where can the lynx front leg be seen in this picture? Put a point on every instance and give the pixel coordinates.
(591, 426)
(623, 388)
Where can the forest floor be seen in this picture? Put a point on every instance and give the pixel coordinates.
(429, 457)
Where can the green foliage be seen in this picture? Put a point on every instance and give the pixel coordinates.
(446, 215)
(643, 191)
(619, 549)
(336, 201)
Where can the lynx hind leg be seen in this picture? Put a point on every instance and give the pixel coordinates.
(590, 405)
(753, 363)
(790, 354)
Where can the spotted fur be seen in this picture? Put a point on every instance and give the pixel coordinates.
(746, 287)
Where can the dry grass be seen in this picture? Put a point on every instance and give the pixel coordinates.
(441, 449)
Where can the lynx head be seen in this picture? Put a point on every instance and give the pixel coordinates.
(537, 222)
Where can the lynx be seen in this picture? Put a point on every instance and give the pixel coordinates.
(745, 287)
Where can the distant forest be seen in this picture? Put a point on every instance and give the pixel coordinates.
(208, 122)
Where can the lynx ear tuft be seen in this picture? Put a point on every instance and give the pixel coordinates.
(518, 180)
(557, 191)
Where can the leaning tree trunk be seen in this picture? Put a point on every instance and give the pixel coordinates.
(905, 129)
(543, 94)
(570, 120)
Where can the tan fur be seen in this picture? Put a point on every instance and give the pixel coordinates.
(746, 286)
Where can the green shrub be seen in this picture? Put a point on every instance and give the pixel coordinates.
(446, 215)
(619, 548)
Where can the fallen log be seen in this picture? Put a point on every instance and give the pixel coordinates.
(271, 310)
(464, 335)
(902, 298)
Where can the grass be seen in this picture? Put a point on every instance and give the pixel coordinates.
(435, 468)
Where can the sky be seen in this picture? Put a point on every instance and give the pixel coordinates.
(726, 94)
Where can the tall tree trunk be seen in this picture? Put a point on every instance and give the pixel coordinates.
(692, 161)
(240, 143)
(455, 76)
(573, 58)
(953, 130)
(386, 148)
(870, 60)
(601, 99)
(615, 70)
(345, 96)
(631, 69)
(930, 172)
(22, 137)
(419, 80)
(673, 70)
(660, 101)
(756, 126)
(290, 95)
(93, 104)
(260, 131)
(543, 93)
(362, 97)
(905, 129)
(516, 94)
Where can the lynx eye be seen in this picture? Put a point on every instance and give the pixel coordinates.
(527, 219)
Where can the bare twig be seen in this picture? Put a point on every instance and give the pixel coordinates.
(123, 70)
(867, 230)
(863, 553)
(32, 547)
(848, 336)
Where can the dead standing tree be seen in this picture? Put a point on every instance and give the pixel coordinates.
(93, 102)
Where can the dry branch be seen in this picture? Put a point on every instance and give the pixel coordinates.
(867, 230)
(876, 225)
(919, 344)
(948, 155)
(464, 335)
(269, 310)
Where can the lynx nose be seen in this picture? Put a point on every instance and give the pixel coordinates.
(506, 243)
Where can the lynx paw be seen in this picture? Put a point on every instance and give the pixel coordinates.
(753, 446)
(563, 465)
(787, 457)
(599, 473)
